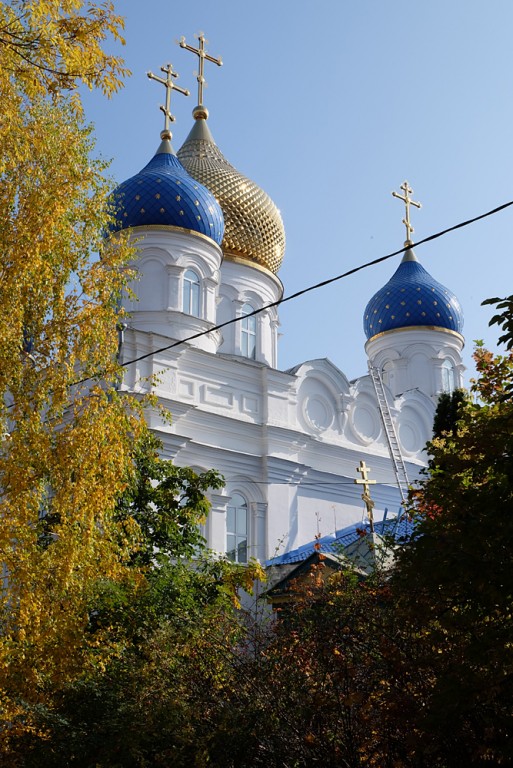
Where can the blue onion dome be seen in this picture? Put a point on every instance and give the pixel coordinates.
(164, 194)
(412, 298)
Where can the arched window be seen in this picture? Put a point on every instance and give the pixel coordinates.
(447, 376)
(237, 529)
(248, 332)
(191, 293)
(387, 373)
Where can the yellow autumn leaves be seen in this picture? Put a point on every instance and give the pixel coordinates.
(65, 448)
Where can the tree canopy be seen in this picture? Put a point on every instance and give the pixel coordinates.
(65, 446)
(51, 46)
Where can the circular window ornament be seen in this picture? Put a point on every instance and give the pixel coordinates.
(366, 424)
(411, 436)
(318, 413)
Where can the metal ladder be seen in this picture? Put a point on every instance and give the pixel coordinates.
(391, 435)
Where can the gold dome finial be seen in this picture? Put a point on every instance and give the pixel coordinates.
(169, 86)
(407, 202)
(200, 112)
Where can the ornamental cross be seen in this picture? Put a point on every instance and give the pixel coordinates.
(169, 86)
(202, 55)
(369, 504)
(407, 201)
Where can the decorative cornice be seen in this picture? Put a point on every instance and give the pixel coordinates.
(416, 328)
(167, 228)
(247, 262)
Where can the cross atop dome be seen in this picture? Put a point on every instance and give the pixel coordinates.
(169, 86)
(407, 202)
(200, 112)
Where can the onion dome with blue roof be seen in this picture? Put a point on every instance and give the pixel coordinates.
(412, 298)
(163, 193)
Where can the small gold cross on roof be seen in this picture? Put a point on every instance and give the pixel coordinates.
(169, 86)
(369, 504)
(407, 202)
(203, 56)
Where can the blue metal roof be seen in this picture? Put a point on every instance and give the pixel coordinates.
(411, 298)
(163, 193)
(400, 528)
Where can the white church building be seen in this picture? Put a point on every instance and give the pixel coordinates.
(209, 245)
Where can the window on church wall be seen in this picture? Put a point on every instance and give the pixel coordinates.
(199, 548)
(448, 376)
(387, 374)
(248, 332)
(237, 529)
(191, 293)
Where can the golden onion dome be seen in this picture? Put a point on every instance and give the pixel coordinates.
(254, 228)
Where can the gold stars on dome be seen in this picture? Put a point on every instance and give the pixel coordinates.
(407, 202)
(200, 111)
(169, 85)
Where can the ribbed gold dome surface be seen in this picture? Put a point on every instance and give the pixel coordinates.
(253, 225)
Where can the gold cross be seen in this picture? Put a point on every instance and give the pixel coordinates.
(202, 55)
(169, 86)
(407, 201)
(369, 504)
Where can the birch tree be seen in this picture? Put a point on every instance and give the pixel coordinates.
(65, 446)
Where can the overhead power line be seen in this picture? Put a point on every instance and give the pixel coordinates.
(314, 287)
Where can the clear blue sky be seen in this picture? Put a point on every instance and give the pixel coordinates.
(329, 106)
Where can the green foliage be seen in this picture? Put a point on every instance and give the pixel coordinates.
(409, 670)
(171, 628)
(211, 689)
(167, 503)
(454, 584)
(447, 412)
(503, 319)
(141, 710)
